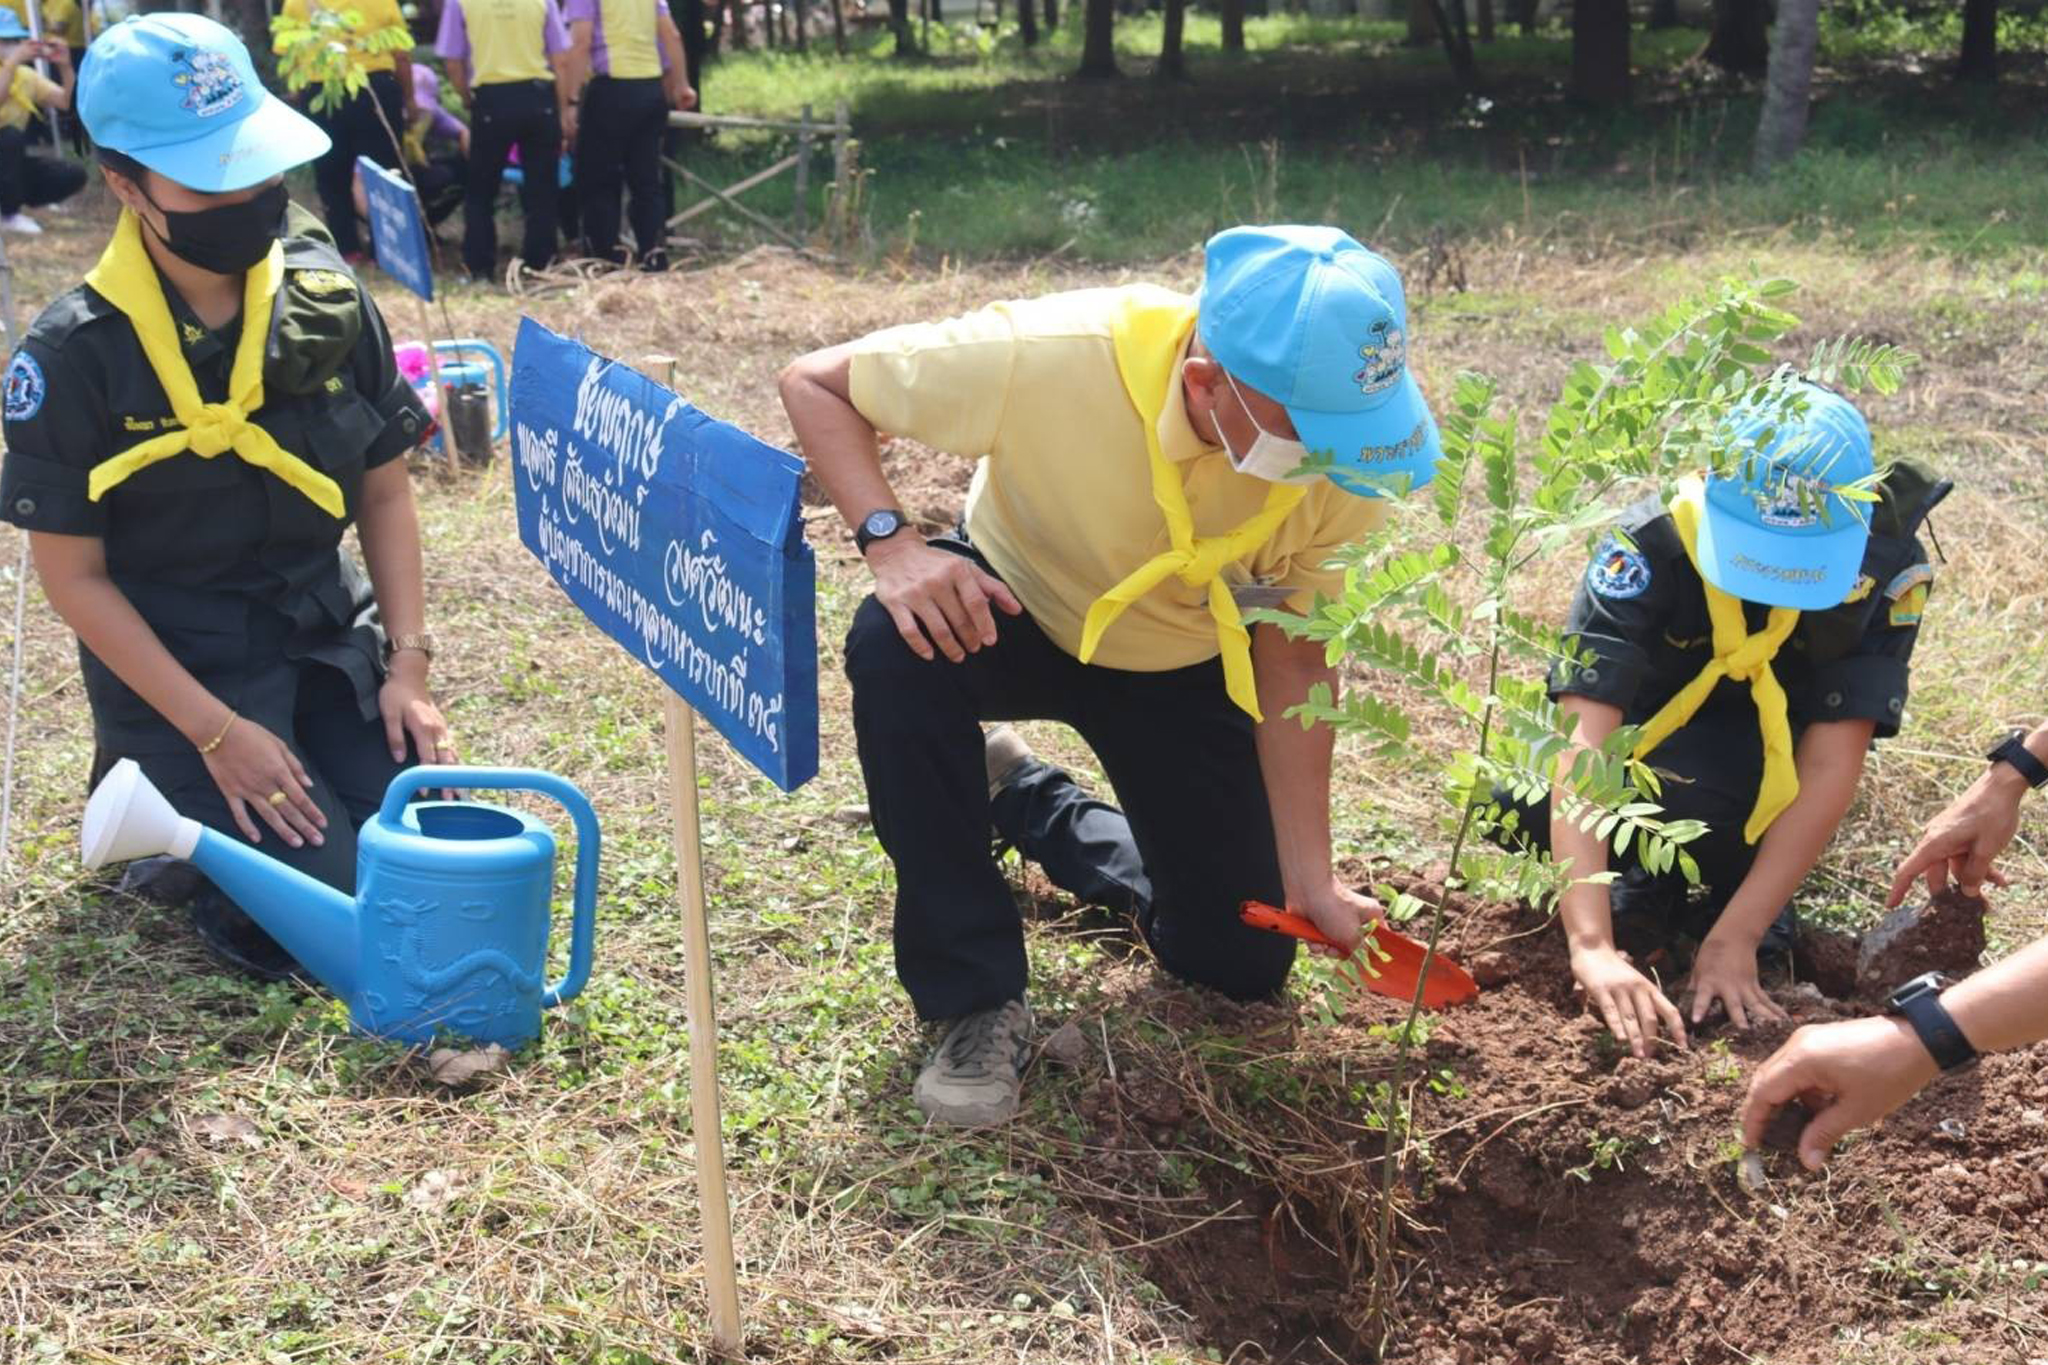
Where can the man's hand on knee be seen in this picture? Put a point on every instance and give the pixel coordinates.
(938, 598)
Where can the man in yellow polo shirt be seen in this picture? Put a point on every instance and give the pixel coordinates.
(353, 128)
(512, 63)
(1150, 463)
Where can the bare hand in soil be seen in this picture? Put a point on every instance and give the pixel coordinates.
(1961, 841)
(1849, 1074)
(1629, 1003)
(1725, 972)
(936, 597)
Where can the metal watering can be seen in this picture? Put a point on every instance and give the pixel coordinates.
(448, 932)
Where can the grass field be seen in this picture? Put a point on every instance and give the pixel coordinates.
(351, 1210)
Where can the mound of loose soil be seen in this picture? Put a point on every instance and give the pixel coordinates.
(1572, 1204)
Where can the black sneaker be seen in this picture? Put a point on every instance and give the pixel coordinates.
(237, 941)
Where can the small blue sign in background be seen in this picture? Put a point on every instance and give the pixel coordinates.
(397, 228)
(681, 536)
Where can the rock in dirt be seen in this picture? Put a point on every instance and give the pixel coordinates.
(1782, 1133)
(1946, 935)
(1491, 969)
(1827, 958)
(453, 1067)
(1067, 1046)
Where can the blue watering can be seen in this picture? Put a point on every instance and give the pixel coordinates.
(448, 932)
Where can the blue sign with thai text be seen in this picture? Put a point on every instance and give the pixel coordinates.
(680, 536)
(397, 228)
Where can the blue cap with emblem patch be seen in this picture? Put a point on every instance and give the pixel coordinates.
(1309, 317)
(12, 30)
(1776, 530)
(177, 93)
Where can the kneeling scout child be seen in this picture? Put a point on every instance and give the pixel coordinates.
(1759, 628)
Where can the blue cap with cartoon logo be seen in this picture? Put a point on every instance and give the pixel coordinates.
(177, 93)
(1309, 317)
(1776, 530)
(12, 30)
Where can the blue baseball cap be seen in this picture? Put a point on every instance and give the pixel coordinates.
(1775, 529)
(177, 93)
(1309, 317)
(12, 30)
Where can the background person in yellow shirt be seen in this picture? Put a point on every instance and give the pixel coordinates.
(1143, 477)
(511, 61)
(354, 128)
(631, 53)
(28, 179)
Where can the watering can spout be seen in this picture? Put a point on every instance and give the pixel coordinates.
(128, 818)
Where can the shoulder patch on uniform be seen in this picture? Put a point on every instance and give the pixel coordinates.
(1865, 585)
(321, 283)
(26, 388)
(1619, 571)
(1909, 578)
(1907, 610)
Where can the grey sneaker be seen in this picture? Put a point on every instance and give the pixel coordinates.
(974, 1078)
(1006, 752)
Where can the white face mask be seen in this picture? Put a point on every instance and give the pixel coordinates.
(1272, 458)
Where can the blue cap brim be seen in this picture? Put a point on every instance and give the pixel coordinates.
(1385, 451)
(270, 140)
(1813, 571)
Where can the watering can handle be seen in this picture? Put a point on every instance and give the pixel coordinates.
(583, 930)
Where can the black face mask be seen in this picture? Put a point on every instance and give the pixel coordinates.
(228, 240)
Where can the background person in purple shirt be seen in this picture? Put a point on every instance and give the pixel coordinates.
(633, 55)
(512, 63)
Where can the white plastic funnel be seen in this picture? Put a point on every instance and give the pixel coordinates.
(128, 818)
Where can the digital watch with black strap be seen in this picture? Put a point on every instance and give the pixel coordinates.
(1918, 1002)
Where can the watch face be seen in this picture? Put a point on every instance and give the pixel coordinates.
(881, 523)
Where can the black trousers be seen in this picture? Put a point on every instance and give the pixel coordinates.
(312, 708)
(1196, 840)
(618, 143)
(518, 114)
(1712, 770)
(28, 179)
(355, 131)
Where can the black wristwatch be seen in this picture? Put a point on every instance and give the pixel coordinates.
(879, 524)
(2015, 752)
(1918, 1002)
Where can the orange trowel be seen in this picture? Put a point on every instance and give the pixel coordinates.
(1396, 958)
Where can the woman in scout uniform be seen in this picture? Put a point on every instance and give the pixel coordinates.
(366, 122)
(1143, 481)
(189, 434)
(1759, 629)
(27, 179)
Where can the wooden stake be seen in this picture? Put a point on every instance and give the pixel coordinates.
(721, 1274)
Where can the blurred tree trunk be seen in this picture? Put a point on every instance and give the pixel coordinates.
(1448, 17)
(1741, 41)
(715, 38)
(838, 25)
(1525, 15)
(1233, 25)
(689, 17)
(1027, 22)
(1600, 51)
(1052, 16)
(1788, 84)
(1664, 14)
(1421, 23)
(899, 20)
(1485, 21)
(1173, 62)
(1979, 60)
(798, 12)
(1098, 48)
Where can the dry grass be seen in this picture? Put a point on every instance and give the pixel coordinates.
(548, 1214)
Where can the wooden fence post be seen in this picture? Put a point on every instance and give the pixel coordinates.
(803, 173)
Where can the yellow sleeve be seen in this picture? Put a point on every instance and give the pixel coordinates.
(48, 92)
(946, 384)
(293, 9)
(382, 14)
(1347, 520)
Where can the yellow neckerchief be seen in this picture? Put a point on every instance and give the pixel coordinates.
(1150, 338)
(126, 278)
(1743, 657)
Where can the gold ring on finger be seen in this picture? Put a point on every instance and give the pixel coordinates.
(277, 798)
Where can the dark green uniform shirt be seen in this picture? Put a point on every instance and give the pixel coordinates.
(1640, 614)
(233, 568)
